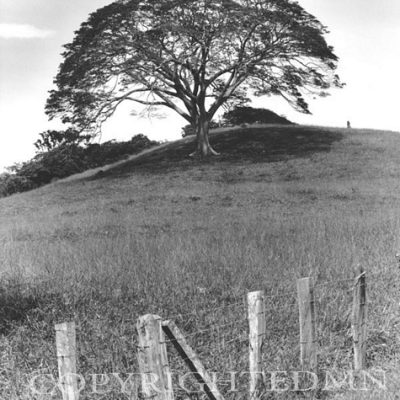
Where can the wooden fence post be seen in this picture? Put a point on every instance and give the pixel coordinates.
(66, 357)
(308, 350)
(153, 360)
(256, 316)
(359, 326)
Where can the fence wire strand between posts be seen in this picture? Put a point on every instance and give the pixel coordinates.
(220, 334)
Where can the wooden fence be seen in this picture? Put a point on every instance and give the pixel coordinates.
(154, 332)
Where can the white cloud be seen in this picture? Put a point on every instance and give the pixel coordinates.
(22, 31)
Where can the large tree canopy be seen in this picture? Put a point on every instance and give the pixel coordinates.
(192, 56)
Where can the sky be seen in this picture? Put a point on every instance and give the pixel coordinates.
(364, 33)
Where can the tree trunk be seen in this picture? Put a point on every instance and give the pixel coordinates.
(204, 148)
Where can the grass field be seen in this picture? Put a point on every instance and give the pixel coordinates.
(167, 234)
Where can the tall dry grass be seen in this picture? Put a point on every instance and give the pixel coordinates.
(189, 243)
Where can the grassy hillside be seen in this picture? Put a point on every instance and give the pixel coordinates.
(163, 233)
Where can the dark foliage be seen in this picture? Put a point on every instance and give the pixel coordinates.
(242, 115)
(189, 130)
(13, 183)
(51, 139)
(65, 160)
(250, 115)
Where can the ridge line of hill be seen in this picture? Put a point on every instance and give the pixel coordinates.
(93, 171)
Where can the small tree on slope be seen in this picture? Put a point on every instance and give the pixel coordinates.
(191, 56)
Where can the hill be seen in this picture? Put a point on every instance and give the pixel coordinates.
(167, 234)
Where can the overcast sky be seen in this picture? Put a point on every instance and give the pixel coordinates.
(365, 34)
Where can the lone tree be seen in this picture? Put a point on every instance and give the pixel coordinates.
(192, 56)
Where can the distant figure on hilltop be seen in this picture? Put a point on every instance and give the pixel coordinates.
(348, 124)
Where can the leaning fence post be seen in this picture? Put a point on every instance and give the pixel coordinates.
(153, 360)
(66, 357)
(191, 359)
(308, 350)
(256, 316)
(359, 316)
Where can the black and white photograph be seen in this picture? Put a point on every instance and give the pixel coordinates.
(199, 200)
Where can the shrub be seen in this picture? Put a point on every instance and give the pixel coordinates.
(58, 163)
(12, 183)
(242, 115)
(188, 130)
(108, 152)
(65, 160)
(250, 115)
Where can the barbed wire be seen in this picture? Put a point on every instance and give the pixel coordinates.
(329, 283)
(210, 329)
(9, 282)
(212, 310)
(334, 331)
(223, 346)
(216, 349)
(267, 312)
(235, 306)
